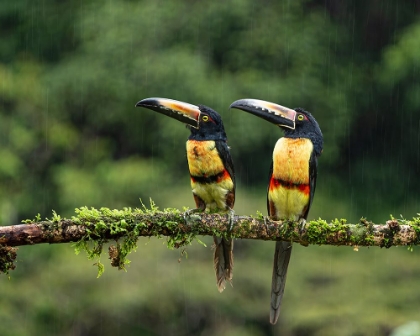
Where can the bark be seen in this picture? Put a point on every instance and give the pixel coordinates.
(127, 225)
(173, 224)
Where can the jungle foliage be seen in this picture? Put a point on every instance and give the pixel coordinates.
(70, 75)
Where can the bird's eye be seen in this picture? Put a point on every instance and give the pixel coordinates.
(301, 117)
(205, 118)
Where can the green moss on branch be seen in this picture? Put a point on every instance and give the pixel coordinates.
(89, 229)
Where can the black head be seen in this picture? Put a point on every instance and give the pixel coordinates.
(210, 126)
(306, 127)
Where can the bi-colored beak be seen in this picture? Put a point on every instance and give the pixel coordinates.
(187, 113)
(276, 114)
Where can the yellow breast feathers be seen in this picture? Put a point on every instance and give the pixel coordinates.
(210, 181)
(203, 158)
(291, 160)
(289, 185)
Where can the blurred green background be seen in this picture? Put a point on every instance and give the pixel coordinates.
(70, 75)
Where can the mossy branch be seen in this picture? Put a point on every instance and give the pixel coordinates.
(91, 228)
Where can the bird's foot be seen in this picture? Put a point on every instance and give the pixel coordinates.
(302, 225)
(189, 215)
(231, 223)
(265, 224)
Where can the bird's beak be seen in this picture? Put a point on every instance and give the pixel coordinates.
(276, 114)
(187, 113)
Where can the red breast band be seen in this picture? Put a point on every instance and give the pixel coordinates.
(276, 183)
(217, 178)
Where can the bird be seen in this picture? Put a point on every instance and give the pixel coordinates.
(211, 170)
(292, 178)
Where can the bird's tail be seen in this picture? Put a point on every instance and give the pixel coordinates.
(281, 262)
(223, 261)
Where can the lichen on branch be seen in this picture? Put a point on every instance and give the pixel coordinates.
(90, 229)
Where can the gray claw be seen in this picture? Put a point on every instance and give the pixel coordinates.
(302, 225)
(189, 215)
(231, 219)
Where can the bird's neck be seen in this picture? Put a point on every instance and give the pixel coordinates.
(202, 136)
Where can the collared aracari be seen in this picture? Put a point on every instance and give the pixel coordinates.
(211, 169)
(293, 176)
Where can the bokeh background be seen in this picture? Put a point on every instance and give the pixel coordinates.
(70, 75)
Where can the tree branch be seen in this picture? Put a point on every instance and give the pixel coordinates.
(99, 226)
(95, 224)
